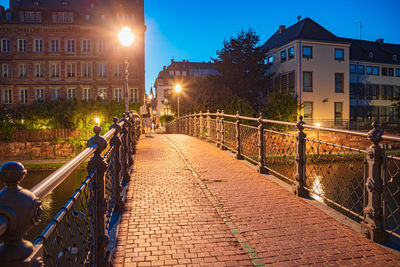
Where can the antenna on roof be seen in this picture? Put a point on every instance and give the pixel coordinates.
(298, 18)
(361, 26)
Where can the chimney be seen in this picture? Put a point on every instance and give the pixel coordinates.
(282, 28)
(164, 68)
(380, 41)
(172, 60)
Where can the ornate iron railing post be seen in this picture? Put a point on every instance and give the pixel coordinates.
(373, 225)
(208, 135)
(300, 177)
(218, 129)
(201, 131)
(21, 210)
(194, 124)
(238, 138)
(133, 132)
(190, 124)
(98, 163)
(116, 142)
(261, 146)
(125, 150)
(223, 147)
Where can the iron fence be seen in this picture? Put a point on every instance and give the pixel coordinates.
(361, 183)
(78, 234)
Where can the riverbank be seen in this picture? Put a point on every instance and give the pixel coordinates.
(44, 164)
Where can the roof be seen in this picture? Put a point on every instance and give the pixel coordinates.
(186, 65)
(306, 29)
(382, 52)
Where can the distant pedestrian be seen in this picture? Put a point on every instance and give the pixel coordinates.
(146, 113)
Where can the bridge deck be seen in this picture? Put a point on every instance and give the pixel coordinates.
(190, 203)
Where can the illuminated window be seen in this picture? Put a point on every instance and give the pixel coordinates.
(375, 70)
(283, 56)
(102, 92)
(338, 113)
(368, 70)
(308, 110)
(361, 69)
(270, 60)
(397, 72)
(352, 68)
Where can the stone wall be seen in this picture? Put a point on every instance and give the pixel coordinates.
(35, 150)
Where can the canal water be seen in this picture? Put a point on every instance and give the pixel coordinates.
(56, 199)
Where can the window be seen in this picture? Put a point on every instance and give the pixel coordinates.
(117, 96)
(54, 46)
(7, 96)
(102, 71)
(384, 71)
(71, 93)
(308, 110)
(283, 56)
(361, 69)
(5, 45)
(361, 91)
(23, 96)
(184, 73)
(387, 92)
(21, 45)
(70, 46)
(338, 113)
(63, 17)
(87, 17)
(352, 68)
(86, 45)
(54, 70)
(55, 93)
(70, 70)
(87, 70)
(5, 72)
(9, 16)
(369, 70)
(390, 72)
(39, 95)
(103, 17)
(371, 54)
(339, 83)
(307, 81)
(171, 73)
(31, 16)
(102, 93)
(291, 52)
(117, 70)
(353, 91)
(86, 94)
(397, 72)
(375, 70)
(307, 51)
(395, 57)
(100, 46)
(291, 83)
(270, 60)
(39, 70)
(133, 92)
(22, 70)
(38, 45)
(339, 54)
(177, 73)
(372, 92)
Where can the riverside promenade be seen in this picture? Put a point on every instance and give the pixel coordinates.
(192, 204)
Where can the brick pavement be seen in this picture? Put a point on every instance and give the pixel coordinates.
(174, 218)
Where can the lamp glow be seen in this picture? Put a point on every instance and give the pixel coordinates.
(126, 36)
(97, 120)
(318, 124)
(178, 88)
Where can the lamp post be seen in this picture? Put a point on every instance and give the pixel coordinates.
(178, 89)
(126, 38)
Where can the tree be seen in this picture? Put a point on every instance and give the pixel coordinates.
(241, 65)
(281, 107)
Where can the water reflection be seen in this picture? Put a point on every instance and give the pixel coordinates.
(317, 188)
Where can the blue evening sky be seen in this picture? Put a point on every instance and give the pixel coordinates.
(195, 29)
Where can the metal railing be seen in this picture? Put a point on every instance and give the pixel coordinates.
(78, 234)
(361, 183)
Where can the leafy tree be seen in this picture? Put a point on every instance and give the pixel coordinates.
(281, 107)
(242, 68)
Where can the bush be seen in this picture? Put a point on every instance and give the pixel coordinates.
(166, 118)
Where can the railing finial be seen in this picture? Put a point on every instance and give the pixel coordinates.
(97, 139)
(300, 123)
(375, 135)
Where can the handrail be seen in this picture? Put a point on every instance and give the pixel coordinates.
(48, 184)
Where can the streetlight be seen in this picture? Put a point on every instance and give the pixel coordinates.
(97, 120)
(178, 89)
(126, 38)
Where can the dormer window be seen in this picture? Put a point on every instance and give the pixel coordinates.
(8, 16)
(36, 3)
(31, 16)
(395, 57)
(63, 17)
(87, 17)
(91, 5)
(64, 3)
(371, 54)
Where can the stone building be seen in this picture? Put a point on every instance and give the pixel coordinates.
(51, 49)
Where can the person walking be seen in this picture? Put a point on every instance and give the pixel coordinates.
(146, 112)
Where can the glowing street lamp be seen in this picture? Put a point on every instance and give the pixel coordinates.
(97, 120)
(178, 89)
(126, 38)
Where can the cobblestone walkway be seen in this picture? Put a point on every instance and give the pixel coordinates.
(190, 204)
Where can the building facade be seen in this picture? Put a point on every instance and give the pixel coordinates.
(320, 68)
(70, 50)
(178, 72)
